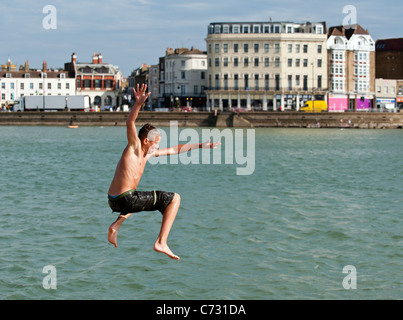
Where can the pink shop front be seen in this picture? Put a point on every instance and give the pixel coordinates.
(341, 103)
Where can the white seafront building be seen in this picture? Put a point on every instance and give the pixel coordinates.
(15, 84)
(183, 78)
(266, 65)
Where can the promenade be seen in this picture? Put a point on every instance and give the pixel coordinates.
(362, 120)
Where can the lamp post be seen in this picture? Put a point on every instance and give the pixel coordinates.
(313, 88)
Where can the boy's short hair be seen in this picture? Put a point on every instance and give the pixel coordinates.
(148, 131)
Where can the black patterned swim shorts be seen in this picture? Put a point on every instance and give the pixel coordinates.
(135, 201)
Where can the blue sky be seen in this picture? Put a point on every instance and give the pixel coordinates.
(132, 32)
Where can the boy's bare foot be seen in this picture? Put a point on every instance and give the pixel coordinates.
(112, 235)
(114, 227)
(165, 249)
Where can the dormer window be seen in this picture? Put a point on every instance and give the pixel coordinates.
(27, 75)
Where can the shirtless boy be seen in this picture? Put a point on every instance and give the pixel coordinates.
(122, 194)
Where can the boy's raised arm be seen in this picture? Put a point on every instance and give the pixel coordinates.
(141, 96)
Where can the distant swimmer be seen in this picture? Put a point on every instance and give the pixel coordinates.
(123, 196)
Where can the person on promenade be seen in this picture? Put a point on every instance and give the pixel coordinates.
(123, 196)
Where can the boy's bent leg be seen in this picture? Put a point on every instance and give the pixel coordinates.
(168, 218)
(114, 227)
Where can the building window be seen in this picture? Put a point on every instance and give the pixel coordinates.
(235, 29)
(225, 47)
(319, 82)
(236, 62)
(246, 78)
(277, 62)
(235, 47)
(289, 48)
(256, 62)
(319, 63)
(266, 47)
(305, 48)
(49, 86)
(297, 81)
(297, 48)
(290, 82)
(305, 88)
(236, 82)
(31, 86)
(297, 62)
(67, 86)
(225, 81)
(217, 82)
(319, 48)
(246, 62)
(266, 62)
(305, 62)
(217, 48)
(277, 79)
(266, 82)
(225, 63)
(276, 47)
(59, 86)
(217, 62)
(290, 62)
(245, 29)
(245, 47)
(22, 86)
(183, 75)
(256, 47)
(256, 82)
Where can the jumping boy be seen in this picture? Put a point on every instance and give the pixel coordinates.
(122, 194)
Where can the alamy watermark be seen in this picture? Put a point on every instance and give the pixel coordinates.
(239, 147)
(50, 280)
(49, 22)
(350, 20)
(350, 281)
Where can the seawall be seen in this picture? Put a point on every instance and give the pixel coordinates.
(372, 120)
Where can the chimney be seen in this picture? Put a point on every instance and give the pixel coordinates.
(99, 58)
(94, 59)
(26, 68)
(74, 58)
(45, 66)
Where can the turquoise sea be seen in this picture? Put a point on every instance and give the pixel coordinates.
(318, 200)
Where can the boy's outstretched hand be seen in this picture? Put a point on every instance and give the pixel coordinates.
(141, 95)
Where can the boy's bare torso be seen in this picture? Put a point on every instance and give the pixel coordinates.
(128, 171)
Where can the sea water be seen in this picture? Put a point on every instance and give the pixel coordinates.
(320, 217)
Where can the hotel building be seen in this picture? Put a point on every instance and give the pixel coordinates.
(101, 81)
(351, 63)
(266, 65)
